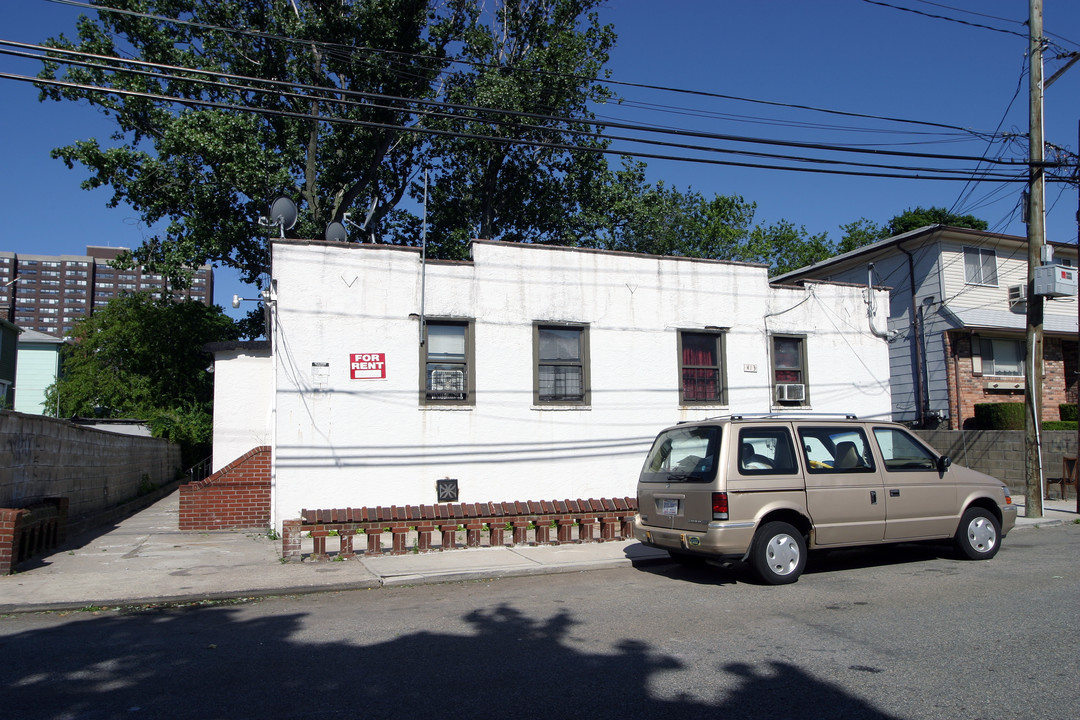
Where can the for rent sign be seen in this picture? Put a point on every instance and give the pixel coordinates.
(367, 366)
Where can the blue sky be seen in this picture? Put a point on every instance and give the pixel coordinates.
(847, 55)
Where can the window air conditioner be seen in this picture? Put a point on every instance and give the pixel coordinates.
(1017, 295)
(788, 392)
(447, 381)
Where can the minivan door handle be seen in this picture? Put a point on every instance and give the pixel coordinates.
(873, 497)
(895, 492)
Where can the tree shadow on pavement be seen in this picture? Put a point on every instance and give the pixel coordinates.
(247, 662)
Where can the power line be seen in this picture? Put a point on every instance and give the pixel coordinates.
(122, 66)
(947, 18)
(347, 51)
(503, 140)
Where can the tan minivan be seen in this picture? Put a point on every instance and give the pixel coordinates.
(765, 489)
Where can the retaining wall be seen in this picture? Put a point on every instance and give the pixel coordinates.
(1001, 452)
(42, 457)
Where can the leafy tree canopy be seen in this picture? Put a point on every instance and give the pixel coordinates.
(366, 107)
(329, 103)
(635, 216)
(920, 217)
(507, 173)
(142, 357)
(863, 231)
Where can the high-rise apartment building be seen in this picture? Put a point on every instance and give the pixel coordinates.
(48, 293)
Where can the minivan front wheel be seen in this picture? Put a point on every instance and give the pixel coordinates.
(979, 535)
(778, 553)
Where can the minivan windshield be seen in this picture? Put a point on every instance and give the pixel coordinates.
(683, 454)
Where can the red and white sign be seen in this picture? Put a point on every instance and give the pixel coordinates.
(367, 366)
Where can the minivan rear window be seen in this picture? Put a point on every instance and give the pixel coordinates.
(683, 454)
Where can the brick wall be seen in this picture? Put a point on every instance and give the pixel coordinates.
(29, 531)
(967, 389)
(237, 497)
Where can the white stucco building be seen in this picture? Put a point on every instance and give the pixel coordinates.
(529, 372)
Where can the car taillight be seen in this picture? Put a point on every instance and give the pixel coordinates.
(719, 506)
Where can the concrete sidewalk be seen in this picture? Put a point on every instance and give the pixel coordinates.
(144, 559)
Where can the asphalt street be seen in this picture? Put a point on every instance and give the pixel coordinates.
(903, 632)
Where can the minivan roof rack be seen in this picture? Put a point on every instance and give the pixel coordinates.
(773, 416)
(786, 416)
(794, 416)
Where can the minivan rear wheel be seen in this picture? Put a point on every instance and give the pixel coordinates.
(979, 535)
(778, 553)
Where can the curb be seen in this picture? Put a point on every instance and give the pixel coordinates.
(389, 581)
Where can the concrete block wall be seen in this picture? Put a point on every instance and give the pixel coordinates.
(42, 457)
(237, 497)
(1001, 452)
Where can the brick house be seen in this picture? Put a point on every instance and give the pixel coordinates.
(957, 321)
(526, 373)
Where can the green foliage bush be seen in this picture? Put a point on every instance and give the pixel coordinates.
(999, 416)
(1060, 425)
(1010, 416)
(1068, 411)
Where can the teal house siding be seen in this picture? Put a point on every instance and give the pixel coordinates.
(9, 343)
(39, 362)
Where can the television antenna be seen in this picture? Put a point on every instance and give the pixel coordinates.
(283, 215)
(338, 232)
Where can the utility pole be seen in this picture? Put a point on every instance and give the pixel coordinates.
(1036, 232)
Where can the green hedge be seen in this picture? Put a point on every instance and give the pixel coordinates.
(1060, 425)
(999, 416)
(1010, 416)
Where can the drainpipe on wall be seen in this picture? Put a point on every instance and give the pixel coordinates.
(273, 323)
(871, 308)
(917, 333)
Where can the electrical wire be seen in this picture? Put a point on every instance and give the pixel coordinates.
(346, 51)
(910, 174)
(119, 66)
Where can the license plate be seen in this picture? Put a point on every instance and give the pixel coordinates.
(669, 506)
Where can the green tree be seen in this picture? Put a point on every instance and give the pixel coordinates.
(281, 73)
(860, 232)
(329, 103)
(636, 216)
(520, 168)
(631, 215)
(914, 218)
(785, 247)
(142, 357)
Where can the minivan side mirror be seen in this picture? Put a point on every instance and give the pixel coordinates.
(943, 463)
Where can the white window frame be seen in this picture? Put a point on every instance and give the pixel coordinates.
(975, 273)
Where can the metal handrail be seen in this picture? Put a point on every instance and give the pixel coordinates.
(200, 470)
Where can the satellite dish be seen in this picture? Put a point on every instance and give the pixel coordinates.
(283, 213)
(336, 232)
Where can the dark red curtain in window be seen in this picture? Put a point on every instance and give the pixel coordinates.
(699, 374)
